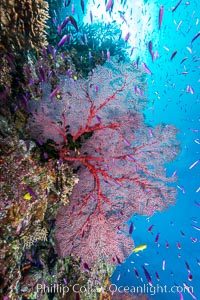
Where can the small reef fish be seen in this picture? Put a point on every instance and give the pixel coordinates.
(176, 6)
(150, 228)
(148, 277)
(198, 190)
(173, 55)
(140, 248)
(157, 276)
(62, 41)
(26, 267)
(42, 74)
(131, 228)
(188, 267)
(163, 265)
(67, 3)
(181, 296)
(91, 17)
(161, 12)
(174, 173)
(73, 9)
(194, 164)
(108, 55)
(195, 37)
(122, 17)
(182, 233)
(137, 62)
(126, 38)
(150, 48)
(64, 23)
(109, 5)
(157, 237)
(82, 6)
(194, 240)
(189, 89)
(196, 227)
(147, 70)
(181, 188)
(73, 22)
(189, 291)
(197, 203)
(198, 261)
(189, 49)
(136, 272)
(183, 60)
(31, 192)
(27, 196)
(166, 48)
(190, 277)
(54, 93)
(118, 260)
(86, 267)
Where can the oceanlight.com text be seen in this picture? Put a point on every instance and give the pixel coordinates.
(152, 290)
(91, 288)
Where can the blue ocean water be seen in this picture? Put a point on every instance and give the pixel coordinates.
(171, 103)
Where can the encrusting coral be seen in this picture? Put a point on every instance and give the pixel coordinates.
(22, 30)
(23, 24)
(30, 193)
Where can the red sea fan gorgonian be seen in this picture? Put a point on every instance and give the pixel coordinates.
(118, 158)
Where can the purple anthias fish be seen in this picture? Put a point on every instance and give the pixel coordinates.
(82, 6)
(150, 228)
(52, 51)
(196, 227)
(62, 41)
(148, 277)
(86, 267)
(73, 22)
(161, 12)
(189, 290)
(54, 93)
(67, 3)
(42, 74)
(195, 37)
(136, 272)
(64, 23)
(31, 192)
(147, 70)
(157, 238)
(91, 17)
(109, 5)
(176, 6)
(150, 47)
(131, 228)
(126, 38)
(173, 55)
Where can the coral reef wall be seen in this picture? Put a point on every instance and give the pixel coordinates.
(23, 24)
(22, 29)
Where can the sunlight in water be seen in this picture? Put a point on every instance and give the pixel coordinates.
(135, 19)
